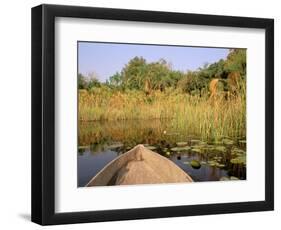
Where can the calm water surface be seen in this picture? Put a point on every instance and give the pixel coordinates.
(101, 142)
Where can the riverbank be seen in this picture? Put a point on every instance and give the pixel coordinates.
(209, 119)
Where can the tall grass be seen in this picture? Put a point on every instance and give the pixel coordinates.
(210, 119)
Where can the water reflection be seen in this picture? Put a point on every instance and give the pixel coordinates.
(101, 142)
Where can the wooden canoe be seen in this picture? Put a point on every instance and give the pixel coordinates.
(139, 166)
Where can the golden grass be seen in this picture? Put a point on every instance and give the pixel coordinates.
(210, 119)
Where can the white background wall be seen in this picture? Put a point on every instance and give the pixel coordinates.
(15, 118)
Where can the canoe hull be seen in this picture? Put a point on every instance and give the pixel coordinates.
(139, 166)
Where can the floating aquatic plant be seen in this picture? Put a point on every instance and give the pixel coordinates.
(180, 149)
(224, 178)
(181, 144)
(196, 150)
(220, 148)
(227, 141)
(83, 147)
(195, 164)
(236, 150)
(239, 160)
(115, 145)
(151, 147)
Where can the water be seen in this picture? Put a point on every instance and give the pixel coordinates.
(101, 142)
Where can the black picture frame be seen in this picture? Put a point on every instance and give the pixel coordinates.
(43, 113)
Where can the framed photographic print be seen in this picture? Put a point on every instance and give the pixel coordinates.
(142, 114)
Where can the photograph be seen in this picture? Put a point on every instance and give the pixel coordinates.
(153, 114)
(142, 113)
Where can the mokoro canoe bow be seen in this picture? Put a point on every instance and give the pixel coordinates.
(139, 166)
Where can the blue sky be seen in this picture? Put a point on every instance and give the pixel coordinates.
(105, 59)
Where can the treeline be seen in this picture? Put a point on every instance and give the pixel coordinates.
(138, 74)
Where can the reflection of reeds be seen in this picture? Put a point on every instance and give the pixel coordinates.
(128, 132)
(182, 111)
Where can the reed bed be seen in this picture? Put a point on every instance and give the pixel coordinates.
(209, 119)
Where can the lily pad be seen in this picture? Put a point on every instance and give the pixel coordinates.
(239, 160)
(203, 162)
(202, 143)
(220, 148)
(205, 147)
(168, 153)
(237, 151)
(199, 144)
(193, 142)
(83, 147)
(227, 141)
(186, 163)
(221, 165)
(115, 145)
(212, 162)
(151, 147)
(180, 149)
(224, 178)
(196, 150)
(217, 143)
(235, 161)
(181, 144)
(197, 147)
(217, 158)
(195, 164)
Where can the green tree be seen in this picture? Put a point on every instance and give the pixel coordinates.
(134, 72)
(115, 81)
(159, 75)
(82, 83)
(93, 82)
(236, 61)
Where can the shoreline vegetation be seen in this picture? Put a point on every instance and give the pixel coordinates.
(210, 101)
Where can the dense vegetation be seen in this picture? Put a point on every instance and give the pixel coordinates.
(210, 101)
